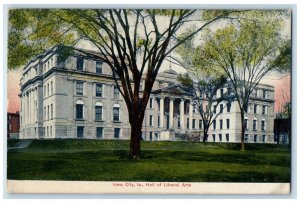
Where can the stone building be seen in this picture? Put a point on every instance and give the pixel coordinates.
(78, 98)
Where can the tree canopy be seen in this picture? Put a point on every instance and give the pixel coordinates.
(244, 51)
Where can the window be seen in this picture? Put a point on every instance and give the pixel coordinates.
(194, 109)
(255, 108)
(187, 123)
(44, 91)
(200, 124)
(79, 109)
(48, 114)
(44, 113)
(265, 94)
(99, 90)
(117, 133)
(50, 131)
(263, 138)
(178, 122)
(116, 112)
(264, 110)
(257, 93)
(99, 67)
(221, 108)
(79, 88)
(214, 137)
(228, 105)
(221, 124)
(150, 136)
(221, 92)
(51, 111)
(227, 137)
(80, 62)
(246, 109)
(116, 92)
(48, 90)
(255, 138)
(263, 125)
(246, 123)
(156, 136)
(246, 138)
(51, 84)
(99, 132)
(254, 125)
(220, 137)
(151, 120)
(158, 121)
(194, 124)
(80, 131)
(215, 108)
(98, 113)
(214, 124)
(227, 123)
(151, 103)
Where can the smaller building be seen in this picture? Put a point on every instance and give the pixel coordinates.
(13, 125)
(282, 130)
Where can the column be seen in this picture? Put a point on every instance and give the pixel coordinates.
(24, 109)
(30, 107)
(191, 115)
(182, 114)
(27, 107)
(171, 111)
(161, 112)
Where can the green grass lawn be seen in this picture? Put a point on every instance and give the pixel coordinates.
(106, 160)
(12, 142)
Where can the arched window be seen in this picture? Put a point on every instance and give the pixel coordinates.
(98, 111)
(79, 109)
(255, 124)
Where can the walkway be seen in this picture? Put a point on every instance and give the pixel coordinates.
(22, 144)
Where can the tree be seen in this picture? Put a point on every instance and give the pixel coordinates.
(131, 42)
(245, 52)
(203, 93)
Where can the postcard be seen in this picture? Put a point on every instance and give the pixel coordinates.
(149, 101)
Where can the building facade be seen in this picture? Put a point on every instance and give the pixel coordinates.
(13, 125)
(77, 98)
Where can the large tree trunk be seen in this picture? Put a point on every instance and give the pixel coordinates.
(243, 132)
(205, 134)
(135, 140)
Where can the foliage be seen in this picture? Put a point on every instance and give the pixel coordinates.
(245, 51)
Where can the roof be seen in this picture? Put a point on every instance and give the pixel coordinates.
(172, 89)
(170, 71)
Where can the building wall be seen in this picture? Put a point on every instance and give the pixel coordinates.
(48, 106)
(13, 123)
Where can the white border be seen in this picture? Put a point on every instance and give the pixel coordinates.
(155, 3)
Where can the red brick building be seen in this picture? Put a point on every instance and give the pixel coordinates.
(13, 124)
